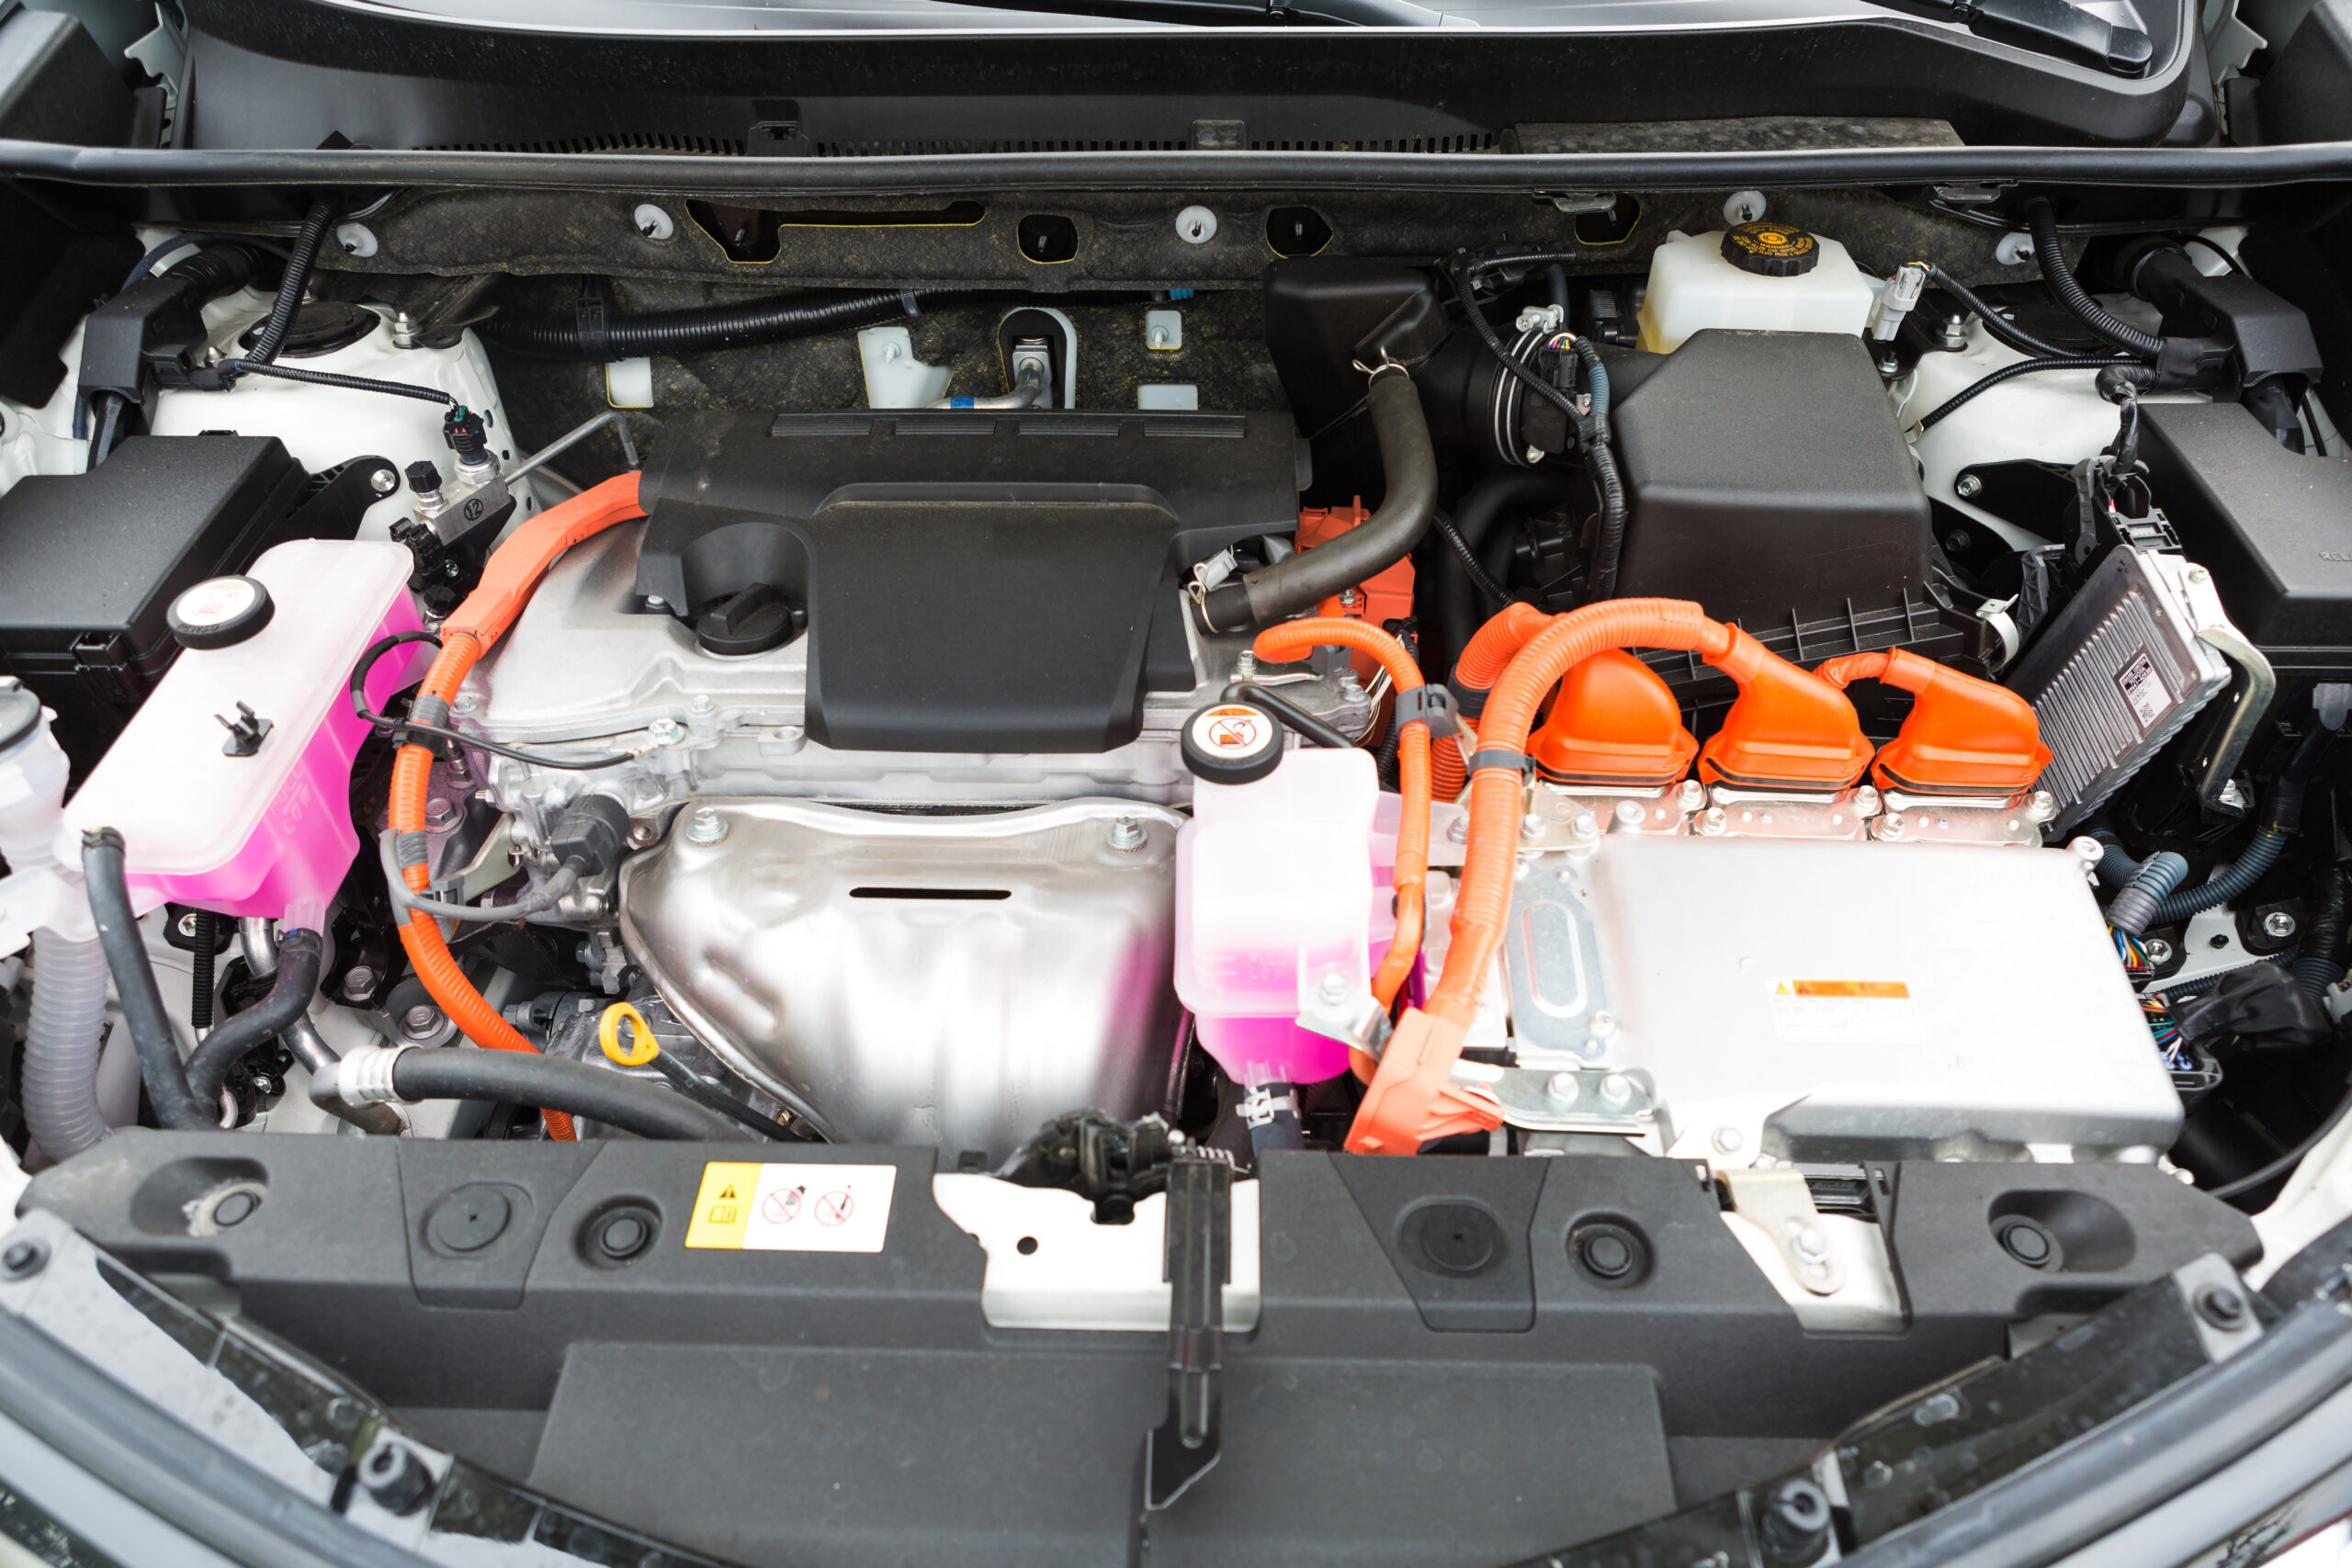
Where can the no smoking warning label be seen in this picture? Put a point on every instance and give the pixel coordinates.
(793, 1208)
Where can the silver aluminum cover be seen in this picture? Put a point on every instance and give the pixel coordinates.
(955, 980)
(1826, 1000)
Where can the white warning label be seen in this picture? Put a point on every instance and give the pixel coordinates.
(2144, 690)
(1844, 1012)
(793, 1208)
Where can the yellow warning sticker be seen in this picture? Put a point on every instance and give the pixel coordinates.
(790, 1207)
(1844, 1012)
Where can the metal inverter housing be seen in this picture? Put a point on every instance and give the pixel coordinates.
(2120, 672)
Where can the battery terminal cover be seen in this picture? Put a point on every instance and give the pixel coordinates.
(1614, 723)
(1789, 730)
(1963, 736)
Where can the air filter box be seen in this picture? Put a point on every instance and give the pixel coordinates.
(94, 560)
(1768, 481)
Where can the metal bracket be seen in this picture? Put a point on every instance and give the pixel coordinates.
(1780, 1203)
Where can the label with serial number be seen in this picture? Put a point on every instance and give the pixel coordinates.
(793, 1208)
(2144, 690)
(1844, 1012)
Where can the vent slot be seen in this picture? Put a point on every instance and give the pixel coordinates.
(615, 141)
(936, 895)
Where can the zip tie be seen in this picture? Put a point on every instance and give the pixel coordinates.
(1498, 756)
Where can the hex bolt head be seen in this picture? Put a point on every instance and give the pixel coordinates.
(1458, 831)
(705, 826)
(23, 1259)
(1808, 1243)
(1584, 828)
(1714, 821)
(1532, 826)
(1604, 1024)
(1690, 795)
(383, 481)
(419, 1021)
(2042, 806)
(2159, 949)
(2220, 1306)
(1967, 487)
(358, 981)
(1728, 1140)
(1892, 826)
(1127, 834)
(665, 732)
(1562, 1089)
(186, 927)
(440, 814)
(1616, 1092)
(2278, 923)
(1629, 814)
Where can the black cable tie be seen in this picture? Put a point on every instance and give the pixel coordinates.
(1431, 705)
(1498, 756)
(592, 316)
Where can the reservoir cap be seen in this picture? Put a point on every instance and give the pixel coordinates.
(219, 611)
(1772, 249)
(1232, 743)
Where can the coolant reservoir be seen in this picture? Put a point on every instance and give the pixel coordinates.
(231, 784)
(1275, 899)
(1760, 276)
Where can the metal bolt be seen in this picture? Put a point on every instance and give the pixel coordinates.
(1808, 1243)
(1727, 1140)
(665, 732)
(1604, 1024)
(1349, 598)
(358, 981)
(2159, 952)
(1616, 1092)
(1533, 454)
(1532, 826)
(186, 927)
(2042, 807)
(1955, 333)
(2199, 574)
(2278, 923)
(23, 1259)
(707, 827)
(464, 703)
(1629, 814)
(1866, 800)
(383, 481)
(1245, 665)
(700, 702)
(1563, 1087)
(1715, 821)
(1691, 795)
(440, 815)
(656, 603)
(642, 833)
(1334, 989)
(1967, 485)
(1458, 831)
(2220, 1306)
(1891, 826)
(1127, 834)
(1584, 828)
(420, 1021)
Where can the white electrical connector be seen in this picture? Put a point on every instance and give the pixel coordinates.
(1894, 301)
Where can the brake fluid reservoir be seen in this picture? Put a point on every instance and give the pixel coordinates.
(1276, 894)
(1760, 276)
(231, 784)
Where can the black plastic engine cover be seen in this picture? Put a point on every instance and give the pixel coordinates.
(1767, 479)
(974, 582)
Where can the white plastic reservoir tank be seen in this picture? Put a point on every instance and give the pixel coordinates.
(1762, 277)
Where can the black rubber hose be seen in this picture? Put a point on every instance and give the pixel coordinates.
(2041, 220)
(296, 981)
(1311, 729)
(290, 284)
(556, 1083)
(232, 368)
(711, 326)
(1409, 467)
(2228, 885)
(176, 1105)
(2020, 367)
(1498, 492)
(2320, 964)
(200, 989)
(1997, 327)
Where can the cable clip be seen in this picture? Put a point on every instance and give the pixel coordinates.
(1431, 705)
(1498, 756)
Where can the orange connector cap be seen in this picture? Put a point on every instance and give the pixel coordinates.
(1614, 723)
(1387, 595)
(1412, 1099)
(1964, 736)
(1790, 729)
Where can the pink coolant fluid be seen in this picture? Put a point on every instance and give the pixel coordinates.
(1281, 889)
(267, 834)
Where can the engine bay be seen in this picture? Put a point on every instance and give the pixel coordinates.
(790, 825)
